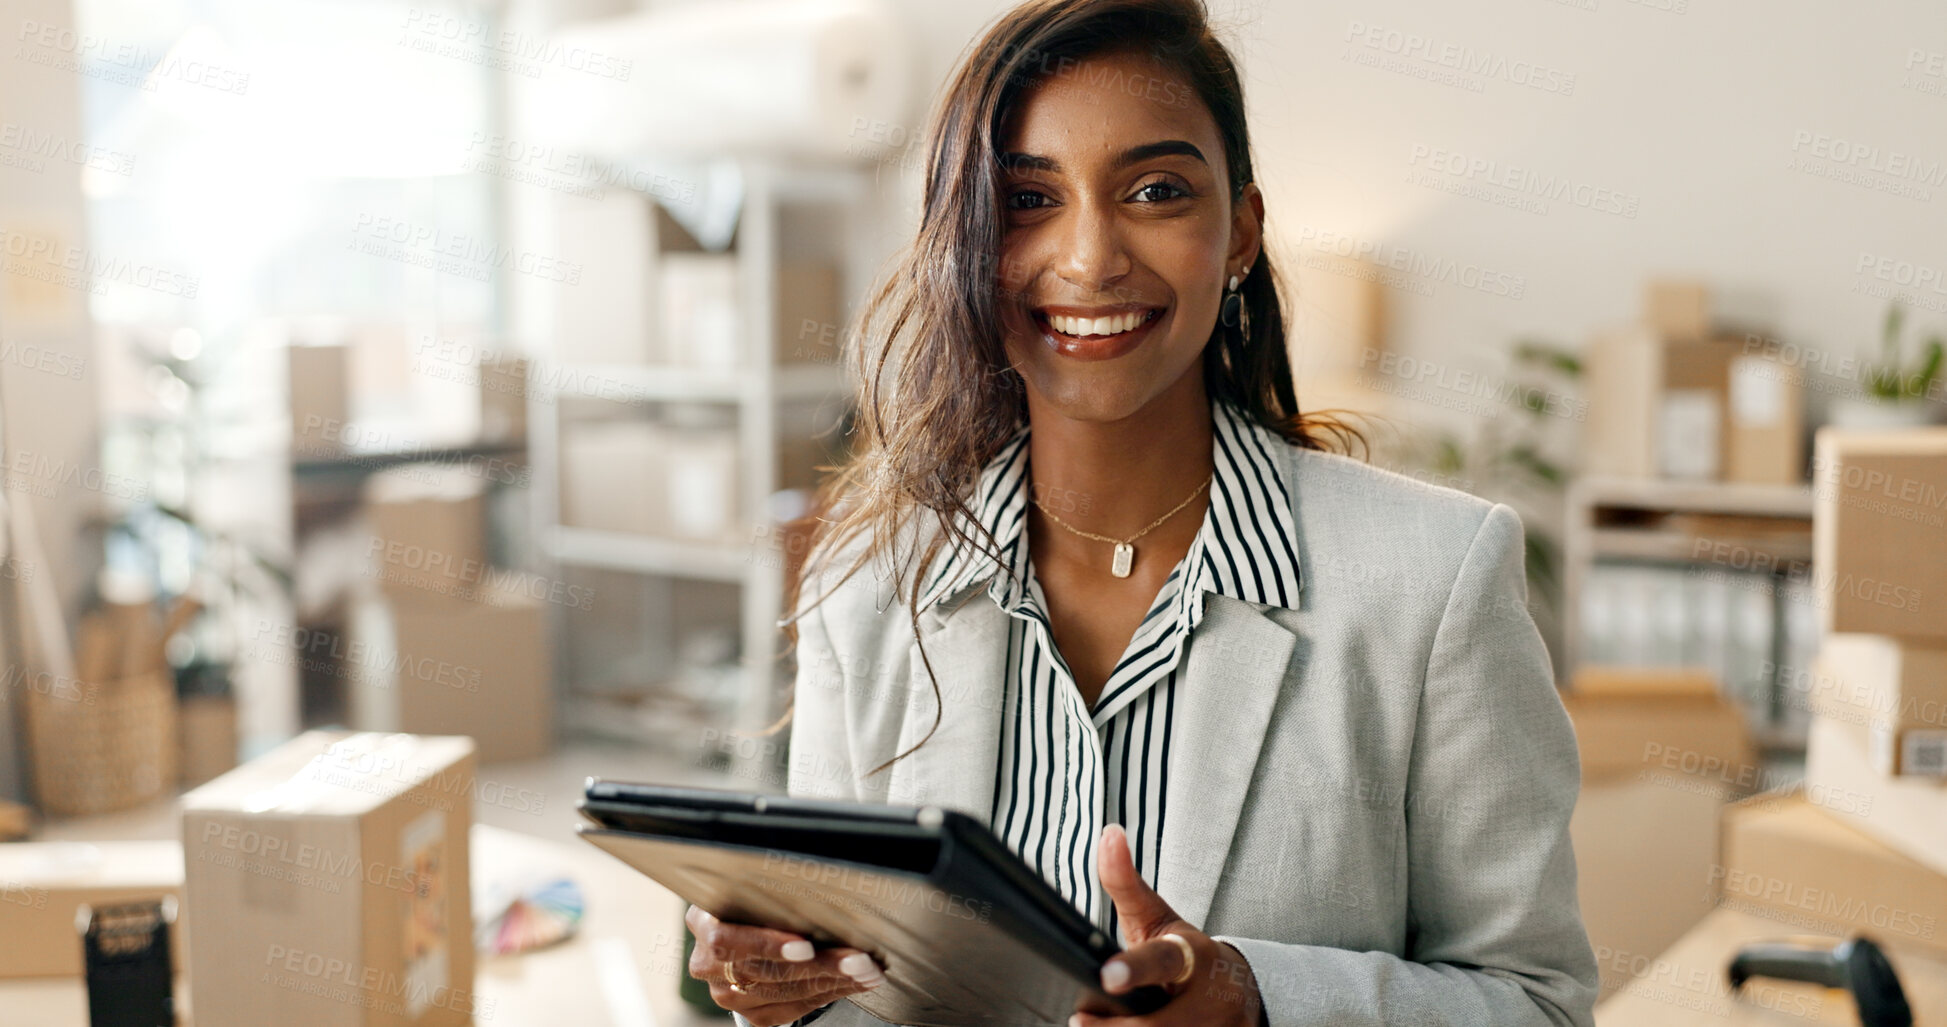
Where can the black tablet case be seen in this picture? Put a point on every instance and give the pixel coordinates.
(967, 933)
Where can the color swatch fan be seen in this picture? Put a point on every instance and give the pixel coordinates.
(532, 916)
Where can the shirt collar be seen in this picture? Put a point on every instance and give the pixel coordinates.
(1247, 548)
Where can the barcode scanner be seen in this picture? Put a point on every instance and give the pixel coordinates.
(1857, 965)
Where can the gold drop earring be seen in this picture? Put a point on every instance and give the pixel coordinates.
(1235, 313)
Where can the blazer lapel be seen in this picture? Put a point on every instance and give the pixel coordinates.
(965, 639)
(1233, 672)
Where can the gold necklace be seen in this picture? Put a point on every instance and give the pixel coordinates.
(1125, 549)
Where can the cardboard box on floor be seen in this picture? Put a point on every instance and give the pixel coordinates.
(1659, 747)
(479, 669)
(327, 885)
(42, 884)
(428, 532)
(1879, 531)
(1896, 690)
(1789, 860)
(1906, 813)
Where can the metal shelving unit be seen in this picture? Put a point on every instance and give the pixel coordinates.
(756, 390)
(1642, 521)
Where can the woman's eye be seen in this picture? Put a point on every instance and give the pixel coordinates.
(1173, 193)
(1014, 198)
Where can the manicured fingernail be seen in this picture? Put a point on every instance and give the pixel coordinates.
(873, 982)
(797, 951)
(1115, 974)
(1075, 1021)
(859, 967)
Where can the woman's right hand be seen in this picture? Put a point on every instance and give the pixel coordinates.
(779, 976)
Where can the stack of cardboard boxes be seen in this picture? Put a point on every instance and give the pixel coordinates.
(457, 646)
(1863, 847)
(1678, 395)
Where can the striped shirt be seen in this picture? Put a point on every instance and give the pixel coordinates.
(1065, 769)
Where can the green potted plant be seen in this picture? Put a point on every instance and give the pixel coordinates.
(1895, 393)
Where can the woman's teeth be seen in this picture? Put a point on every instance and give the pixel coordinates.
(1084, 326)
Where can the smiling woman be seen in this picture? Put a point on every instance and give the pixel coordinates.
(1293, 796)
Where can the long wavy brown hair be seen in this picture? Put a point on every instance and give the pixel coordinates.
(934, 395)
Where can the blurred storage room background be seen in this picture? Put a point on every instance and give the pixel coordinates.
(459, 368)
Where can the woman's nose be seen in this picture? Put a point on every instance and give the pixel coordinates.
(1094, 255)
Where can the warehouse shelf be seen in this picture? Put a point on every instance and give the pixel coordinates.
(1762, 533)
(765, 394)
(644, 382)
(1667, 546)
(644, 554)
(1794, 501)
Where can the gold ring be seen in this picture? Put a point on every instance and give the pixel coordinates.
(1189, 956)
(730, 977)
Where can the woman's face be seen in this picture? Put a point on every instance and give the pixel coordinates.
(1116, 212)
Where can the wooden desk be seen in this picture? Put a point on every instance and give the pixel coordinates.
(620, 970)
(1687, 985)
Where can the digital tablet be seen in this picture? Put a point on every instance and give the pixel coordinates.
(967, 932)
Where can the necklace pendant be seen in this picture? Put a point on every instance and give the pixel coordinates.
(1125, 554)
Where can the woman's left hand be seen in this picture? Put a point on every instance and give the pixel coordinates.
(1220, 989)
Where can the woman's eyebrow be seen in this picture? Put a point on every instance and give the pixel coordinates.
(1132, 155)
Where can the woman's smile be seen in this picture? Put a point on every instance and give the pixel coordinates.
(1096, 333)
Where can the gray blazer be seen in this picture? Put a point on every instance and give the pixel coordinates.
(1384, 776)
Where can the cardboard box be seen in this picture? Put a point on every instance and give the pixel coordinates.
(702, 309)
(479, 669)
(1896, 690)
(429, 531)
(42, 884)
(1789, 860)
(1631, 720)
(1658, 746)
(699, 307)
(701, 492)
(1765, 442)
(1907, 814)
(1693, 414)
(1903, 683)
(610, 318)
(320, 392)
(1641, 888)
(1677, 309)
(809, 316)
(669, 481)
(207, 725)
(328, 887)
(1879, 531)
(614, 476)
(1659, 407)
(1625, 375)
